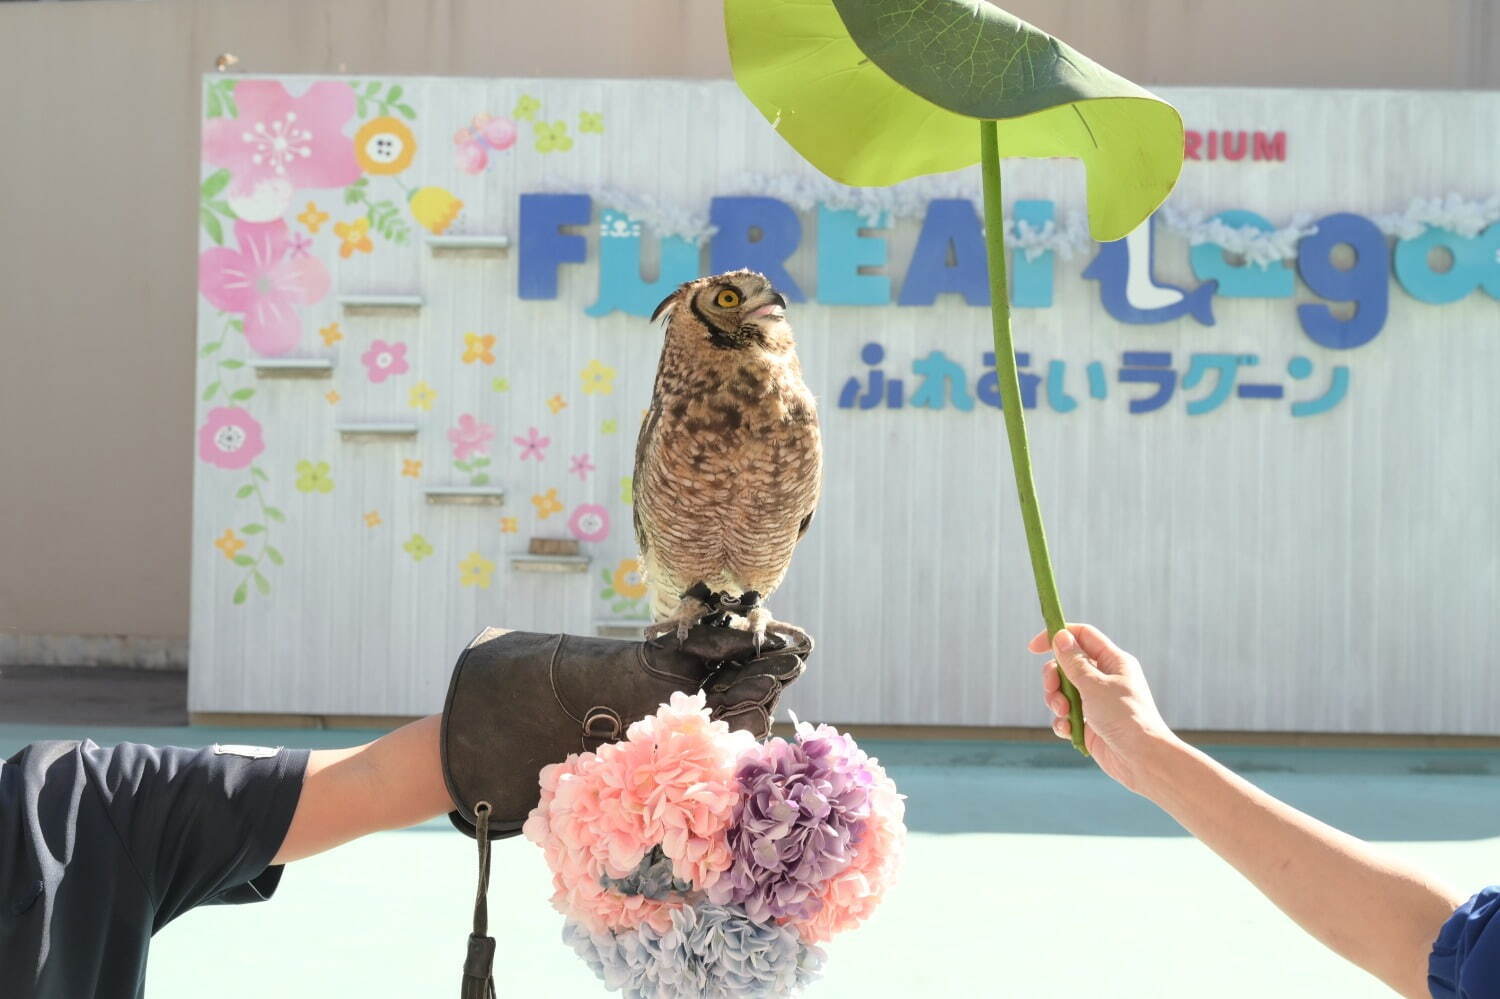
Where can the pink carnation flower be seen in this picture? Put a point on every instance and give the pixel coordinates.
(669, 783)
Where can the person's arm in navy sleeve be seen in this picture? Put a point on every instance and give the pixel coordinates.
(1465, 960)
(1377, 911)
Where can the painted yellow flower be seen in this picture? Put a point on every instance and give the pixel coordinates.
(314, 478)
(526, 108)
(627, 490)
(312, 218)
(557, 404)
(333, 397)
(608, 427)
(509, 525)
(435, 208)
(627, 579)
(591, 121)
(372, 519)
(229, 544)
(355, 236)
(384, 146)
(476, 571)
(477, 348)
(417, 547)
(546, 504)
(422, 396)
(598, 378)
(411, 468)
(500, 384)
(331, 334)
(552, 138)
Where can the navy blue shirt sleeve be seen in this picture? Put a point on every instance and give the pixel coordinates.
(1465, 958)
(201, 826)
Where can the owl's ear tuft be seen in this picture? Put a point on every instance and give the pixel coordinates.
(670, 302)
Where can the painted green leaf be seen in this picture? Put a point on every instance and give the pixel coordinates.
(238, 325)
(209, 348)
(394, 94)
(275, 514)
(243, 491)
(256, 471)
(211, 391)
(232, 364)
(211, 225)
(214, 183)
(241, 592)
(274, 556)
(407, 111)
(873, 92)
(242, 394)
(243, 560)
(462, 466)
(480, 480)
(371, 88)
(608, 577)
(261, 584)
(361, 108)
(222, 207)
(252, 528)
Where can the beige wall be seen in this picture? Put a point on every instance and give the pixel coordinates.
(98, 134)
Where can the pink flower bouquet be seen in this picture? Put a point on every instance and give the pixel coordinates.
(690, 860)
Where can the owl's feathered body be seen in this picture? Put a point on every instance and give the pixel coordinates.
(729, 461)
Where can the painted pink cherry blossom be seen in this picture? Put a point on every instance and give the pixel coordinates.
(383, 360)
(230, 438)
(300, 245)
(470, 437)
(589, 522)
(581, 466)
(279, 144)
(263, 280)
(498, 130)
(469, 152)
(533, 445)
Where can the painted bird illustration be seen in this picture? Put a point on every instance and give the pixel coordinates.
(729, 461)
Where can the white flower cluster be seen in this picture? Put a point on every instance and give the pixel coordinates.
(1455, 213)
(1261, 247)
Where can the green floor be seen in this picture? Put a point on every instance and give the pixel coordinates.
(1029, 874)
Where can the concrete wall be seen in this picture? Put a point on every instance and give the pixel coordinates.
(98, 137)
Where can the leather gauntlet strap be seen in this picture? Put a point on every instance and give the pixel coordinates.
(479, 965)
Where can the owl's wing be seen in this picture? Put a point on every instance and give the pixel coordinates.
(644, 454)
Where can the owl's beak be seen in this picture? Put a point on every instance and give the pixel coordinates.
(775, 307)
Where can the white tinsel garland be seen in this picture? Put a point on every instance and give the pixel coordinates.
(1257, 246)
(1455, 213)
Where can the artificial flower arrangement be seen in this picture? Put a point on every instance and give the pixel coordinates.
(691, 860)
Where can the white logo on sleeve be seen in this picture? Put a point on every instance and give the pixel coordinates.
(248, 752)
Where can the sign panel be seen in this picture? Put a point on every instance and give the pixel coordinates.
(1263, 422)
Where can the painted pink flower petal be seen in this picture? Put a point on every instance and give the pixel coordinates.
(471, 157)
(225, 279)
(272, 325)
(230, 438)
(278, 137)
(324, 109)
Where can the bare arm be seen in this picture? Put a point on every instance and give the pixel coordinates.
(1373, 909)
(393, 782)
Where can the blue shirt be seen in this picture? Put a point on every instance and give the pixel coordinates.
(100, 848)
(1465, 959)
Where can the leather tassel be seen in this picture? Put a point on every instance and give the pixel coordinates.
(479, 964)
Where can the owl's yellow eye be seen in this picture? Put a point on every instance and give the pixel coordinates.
(727, 298)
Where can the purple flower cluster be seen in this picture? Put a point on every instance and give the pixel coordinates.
(801, 811)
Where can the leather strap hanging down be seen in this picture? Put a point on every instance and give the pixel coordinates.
(479, 965)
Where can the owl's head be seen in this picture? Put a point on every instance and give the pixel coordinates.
(733, 311)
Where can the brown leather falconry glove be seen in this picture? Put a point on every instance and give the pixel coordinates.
(520, 700)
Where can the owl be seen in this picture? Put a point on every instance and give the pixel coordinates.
(729, 461)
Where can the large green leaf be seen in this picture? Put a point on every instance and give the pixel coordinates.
(872, 92)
